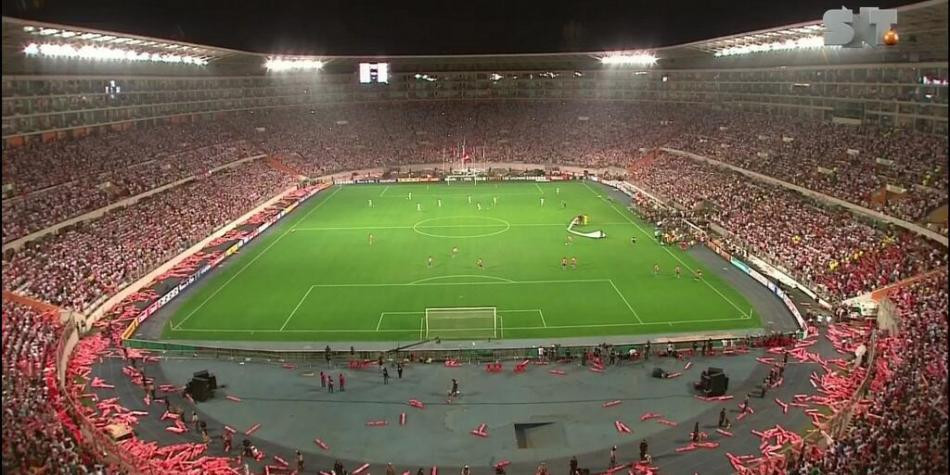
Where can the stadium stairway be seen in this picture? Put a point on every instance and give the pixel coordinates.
(277, 164)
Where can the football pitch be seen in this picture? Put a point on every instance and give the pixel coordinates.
(341, 268)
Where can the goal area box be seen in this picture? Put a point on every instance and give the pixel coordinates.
(460, 323)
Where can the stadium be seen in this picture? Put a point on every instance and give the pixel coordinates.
(718, 256)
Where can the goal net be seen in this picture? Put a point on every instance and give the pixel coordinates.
(461, 323)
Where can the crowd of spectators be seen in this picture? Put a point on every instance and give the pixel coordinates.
(34, 439)
(359, 136)
(830, 249)
(904, 428)
(815, 155)
(851, 163)
(77, 267)
(50, 182)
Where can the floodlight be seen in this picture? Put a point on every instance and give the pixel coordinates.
(636, 59)
(292, 64)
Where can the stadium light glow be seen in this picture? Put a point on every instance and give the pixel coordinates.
(807, 42)
(292, 64)
(639, 59)
(101, 53)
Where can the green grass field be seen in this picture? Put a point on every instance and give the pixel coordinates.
(316, 277)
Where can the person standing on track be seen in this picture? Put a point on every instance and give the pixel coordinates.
(454, 392)
(385, 375)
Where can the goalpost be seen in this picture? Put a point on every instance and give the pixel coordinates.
(461, 323)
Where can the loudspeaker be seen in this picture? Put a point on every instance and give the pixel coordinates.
(200, 389)
(204, 374)
(713, 370)
(659, 373)
(718, 384)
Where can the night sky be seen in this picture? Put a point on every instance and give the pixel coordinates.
(341, 27)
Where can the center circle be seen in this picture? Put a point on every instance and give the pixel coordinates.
(438, 227)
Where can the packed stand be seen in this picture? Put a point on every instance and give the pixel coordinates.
(827, 248)
(847, 162)
(851, 163)
(337, 138)
(51, 182)
(904, 428)
(34, 438)
(80, 266)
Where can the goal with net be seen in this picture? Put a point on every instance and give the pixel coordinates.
(461, 323)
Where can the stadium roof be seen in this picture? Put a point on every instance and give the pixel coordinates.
(922, 26)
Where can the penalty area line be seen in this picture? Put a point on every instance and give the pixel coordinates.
(625, 300)
(612, 206)
(294, 311)
(253, 260)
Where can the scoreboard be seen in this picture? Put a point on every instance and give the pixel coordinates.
(374, 73)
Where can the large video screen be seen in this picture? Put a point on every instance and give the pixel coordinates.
(374, 73)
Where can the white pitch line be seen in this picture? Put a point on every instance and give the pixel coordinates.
(542, 318)
(384, 190)
(611, 204)
(219, 289)
(440, 226)
(319, 204)
(458, 276)
(254, 259)
(353, 228)
(564, 281)
(296, 308)
(383, 314)
(538, 187)
(554, 327)
(625, 301)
